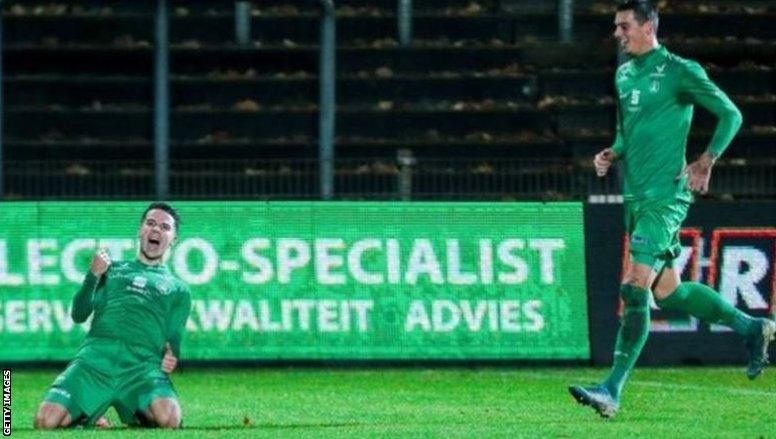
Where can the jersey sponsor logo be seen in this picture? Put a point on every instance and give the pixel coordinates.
(119, 267)
(659, 71)
(142, 285)
(654, 87)
(164, 288)
(138, 285)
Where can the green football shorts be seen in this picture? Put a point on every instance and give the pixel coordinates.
(653, 228)
(98, 379)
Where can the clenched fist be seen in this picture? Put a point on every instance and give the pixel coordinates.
(100, 263)
(603, 161)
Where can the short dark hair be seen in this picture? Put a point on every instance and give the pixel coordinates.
(165, 207)
(643, 11)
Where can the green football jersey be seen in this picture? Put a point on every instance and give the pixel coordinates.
(140, 305)
(657, 93)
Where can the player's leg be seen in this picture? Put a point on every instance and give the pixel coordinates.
(634, 323)
(707, 305)
(165, 412)
(700, 301)
(52, 415)
(149, 400)
(666, 283)
(654, 241)
(646, 262)
(631, 337)
(77, 396)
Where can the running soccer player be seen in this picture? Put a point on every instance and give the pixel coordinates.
(657, 91)
(139, 314)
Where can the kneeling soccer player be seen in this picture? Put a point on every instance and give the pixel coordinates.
(140, 311)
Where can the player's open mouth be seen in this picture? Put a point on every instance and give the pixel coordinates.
(153, 242)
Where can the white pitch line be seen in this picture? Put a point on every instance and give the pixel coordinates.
(730, 390)
(589, 379)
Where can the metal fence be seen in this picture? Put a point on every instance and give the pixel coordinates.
(357, 179)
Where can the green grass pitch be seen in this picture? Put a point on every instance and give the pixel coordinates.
(445, 402)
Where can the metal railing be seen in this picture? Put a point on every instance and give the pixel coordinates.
(161, 119)
(327, 99)
(357, 179)
(404, 16)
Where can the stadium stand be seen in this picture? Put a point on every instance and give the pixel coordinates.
(485, 98)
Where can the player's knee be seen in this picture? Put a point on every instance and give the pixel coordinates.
(634, 296)
(636, 280)
(661, 291)
(50, 416)
(167, 414)
(41, 422)
(173, 421)
(637, 277)
(169, 420)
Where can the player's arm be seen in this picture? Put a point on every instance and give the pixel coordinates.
(618, 147)
(180, 315)
(176, 327)
(604, 159)
(696, 87)
(83, 302)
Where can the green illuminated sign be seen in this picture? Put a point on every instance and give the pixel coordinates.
(311, 280)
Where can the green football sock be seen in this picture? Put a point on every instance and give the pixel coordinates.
(633, 333)
(706, 304)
